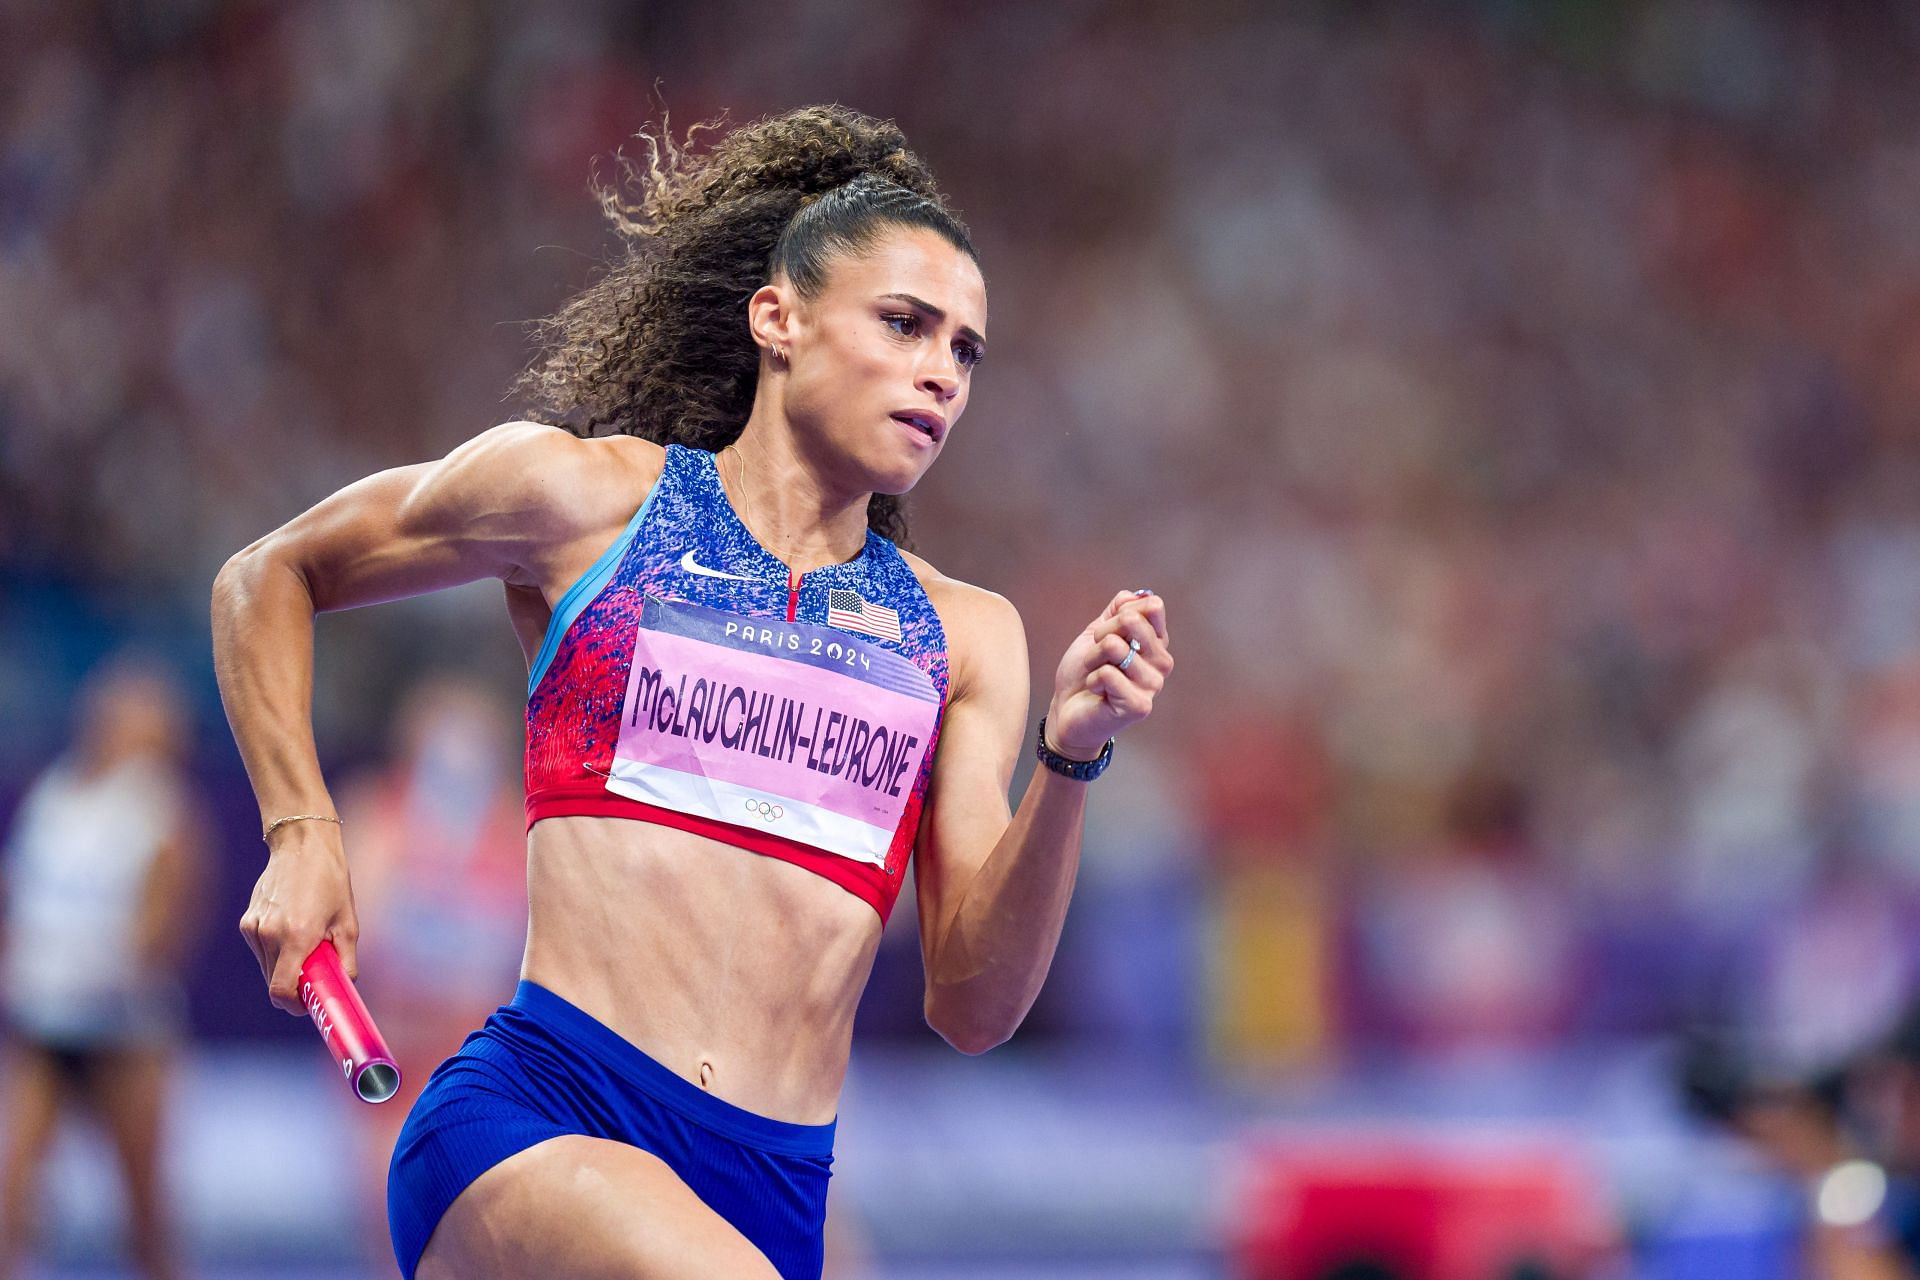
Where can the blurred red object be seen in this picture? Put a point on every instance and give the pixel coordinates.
(1399, 1209)
(1267, 788)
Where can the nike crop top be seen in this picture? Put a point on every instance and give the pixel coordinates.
(689, 679)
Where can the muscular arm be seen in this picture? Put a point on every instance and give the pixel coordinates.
(993, 886)
(477, 513)
(514, 503)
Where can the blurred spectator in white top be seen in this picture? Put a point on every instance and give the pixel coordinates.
(103, 871)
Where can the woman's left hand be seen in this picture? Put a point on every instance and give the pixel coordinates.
(1093, 696)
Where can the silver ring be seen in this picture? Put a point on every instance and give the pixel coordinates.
(1127, 661)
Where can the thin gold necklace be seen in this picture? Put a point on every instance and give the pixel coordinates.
(740, 483)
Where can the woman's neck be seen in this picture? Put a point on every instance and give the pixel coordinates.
(786, 503)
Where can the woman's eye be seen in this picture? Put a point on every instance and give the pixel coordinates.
(968, 354)
(904, 325)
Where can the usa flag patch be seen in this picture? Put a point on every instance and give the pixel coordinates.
(849, 611)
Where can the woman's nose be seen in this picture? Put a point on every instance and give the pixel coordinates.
(943, 383)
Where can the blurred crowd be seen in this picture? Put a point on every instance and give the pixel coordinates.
(1518, 405)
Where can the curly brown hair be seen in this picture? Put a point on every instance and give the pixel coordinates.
(658, 347)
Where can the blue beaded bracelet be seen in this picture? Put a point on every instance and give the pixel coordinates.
(1078, 770)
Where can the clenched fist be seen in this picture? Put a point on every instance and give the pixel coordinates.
(1110, 674)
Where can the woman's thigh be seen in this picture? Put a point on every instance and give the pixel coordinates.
(580, 1208)
(31, 1103)
(127, 1090)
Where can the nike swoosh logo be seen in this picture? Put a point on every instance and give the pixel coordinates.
(693, 566)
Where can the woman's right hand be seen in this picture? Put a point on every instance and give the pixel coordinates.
(303, 897)
(523, 503)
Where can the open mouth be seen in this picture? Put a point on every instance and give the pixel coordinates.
(926, 424)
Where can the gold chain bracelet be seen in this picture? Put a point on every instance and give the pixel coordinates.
(278, 823)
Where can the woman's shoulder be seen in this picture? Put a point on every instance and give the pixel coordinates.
(573, 480)
(972, 615)
(536, 450)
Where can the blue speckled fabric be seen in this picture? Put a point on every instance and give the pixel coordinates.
(579, 679)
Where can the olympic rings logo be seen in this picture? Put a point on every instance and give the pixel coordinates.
(765, 809)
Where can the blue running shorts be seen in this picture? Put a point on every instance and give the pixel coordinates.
(541, 1067)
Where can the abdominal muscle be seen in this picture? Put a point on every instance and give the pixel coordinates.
(736, 971)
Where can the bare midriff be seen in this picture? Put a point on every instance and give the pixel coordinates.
(738, 972)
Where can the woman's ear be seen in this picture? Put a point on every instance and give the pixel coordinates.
(770, 318)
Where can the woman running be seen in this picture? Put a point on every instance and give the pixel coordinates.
(747, 707)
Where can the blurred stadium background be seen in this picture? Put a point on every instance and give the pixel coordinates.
(1519, 404)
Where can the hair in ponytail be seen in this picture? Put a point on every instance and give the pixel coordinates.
(658, 346)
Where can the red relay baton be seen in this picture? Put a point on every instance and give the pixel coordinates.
(347, 1027)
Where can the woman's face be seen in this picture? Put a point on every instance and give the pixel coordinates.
(881, 359)
(130, 713)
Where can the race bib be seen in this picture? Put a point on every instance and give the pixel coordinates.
(800, 730)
